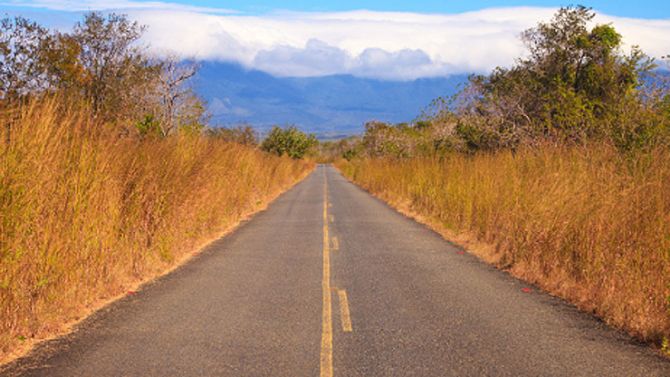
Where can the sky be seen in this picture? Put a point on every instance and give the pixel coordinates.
(389, 40)
(644, 9)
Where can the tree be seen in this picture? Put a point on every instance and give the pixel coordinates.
(243, 134)
(288, 141)
(118, 76)
(65, 72)
(575, 85)
(100, 63)
(21, 67)
(383, 139)
(180, 105)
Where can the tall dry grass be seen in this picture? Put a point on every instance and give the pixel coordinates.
(84, 213)
(587, 224)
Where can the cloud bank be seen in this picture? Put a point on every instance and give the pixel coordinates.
(385, 45)
(370, 44)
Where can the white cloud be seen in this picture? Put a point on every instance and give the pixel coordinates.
(363, 43)
(371, 44)
(391, 45)
(218, 107)
(318, 58)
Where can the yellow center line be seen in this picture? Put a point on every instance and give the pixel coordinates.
(336, 244)
(332, 218)
(326, 315)
(344, 310)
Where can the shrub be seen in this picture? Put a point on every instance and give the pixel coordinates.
(288, 141)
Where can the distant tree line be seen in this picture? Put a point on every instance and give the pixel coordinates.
(282, 141)
(574, 87)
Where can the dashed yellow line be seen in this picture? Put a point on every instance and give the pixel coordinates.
(326, 367)
(336, 244)
(345, 316)
(332, 218)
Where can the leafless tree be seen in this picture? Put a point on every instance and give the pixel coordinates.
(178, 101)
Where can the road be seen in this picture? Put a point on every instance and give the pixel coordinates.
(384, 296)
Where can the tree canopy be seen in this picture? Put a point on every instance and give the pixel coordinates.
(575, 85)
(103, 64)
(288, 141)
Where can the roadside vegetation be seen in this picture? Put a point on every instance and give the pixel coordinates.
(108, 174)
(556, 169)
(289, 141)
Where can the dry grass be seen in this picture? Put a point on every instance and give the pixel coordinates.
(85, 214)
(586, 224)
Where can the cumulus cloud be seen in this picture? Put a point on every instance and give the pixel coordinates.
(363, 43)
(388, 45)
(385, 45)
(406, 63)
(318, 58)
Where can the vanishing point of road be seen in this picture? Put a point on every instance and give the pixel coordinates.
(329, 281)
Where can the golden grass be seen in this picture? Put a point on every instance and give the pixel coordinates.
(86, 214)
(586, 224)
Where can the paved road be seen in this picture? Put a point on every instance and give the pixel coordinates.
(383, 297)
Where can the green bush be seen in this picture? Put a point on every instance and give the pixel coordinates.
(288, 141)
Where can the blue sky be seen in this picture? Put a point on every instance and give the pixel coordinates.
(637, 9)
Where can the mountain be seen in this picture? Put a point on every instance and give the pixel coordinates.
(329, 106)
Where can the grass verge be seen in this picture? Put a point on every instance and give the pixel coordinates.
(86, 214)
(588, 225)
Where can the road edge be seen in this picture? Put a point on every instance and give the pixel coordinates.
(485, 253)
(29, 346)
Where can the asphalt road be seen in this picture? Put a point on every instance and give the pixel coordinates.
(384, 296)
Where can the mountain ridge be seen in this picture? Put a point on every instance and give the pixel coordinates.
(326, 106)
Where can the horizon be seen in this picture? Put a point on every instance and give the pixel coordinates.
(319, 60)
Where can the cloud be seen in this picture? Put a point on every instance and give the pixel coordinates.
(403, 64)
(219, 107)
(363, 43)
(317, 58)
(387, 45)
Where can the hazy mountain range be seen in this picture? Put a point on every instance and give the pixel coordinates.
(329, 106)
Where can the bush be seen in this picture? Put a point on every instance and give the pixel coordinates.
(288, 141)
(244, 134)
